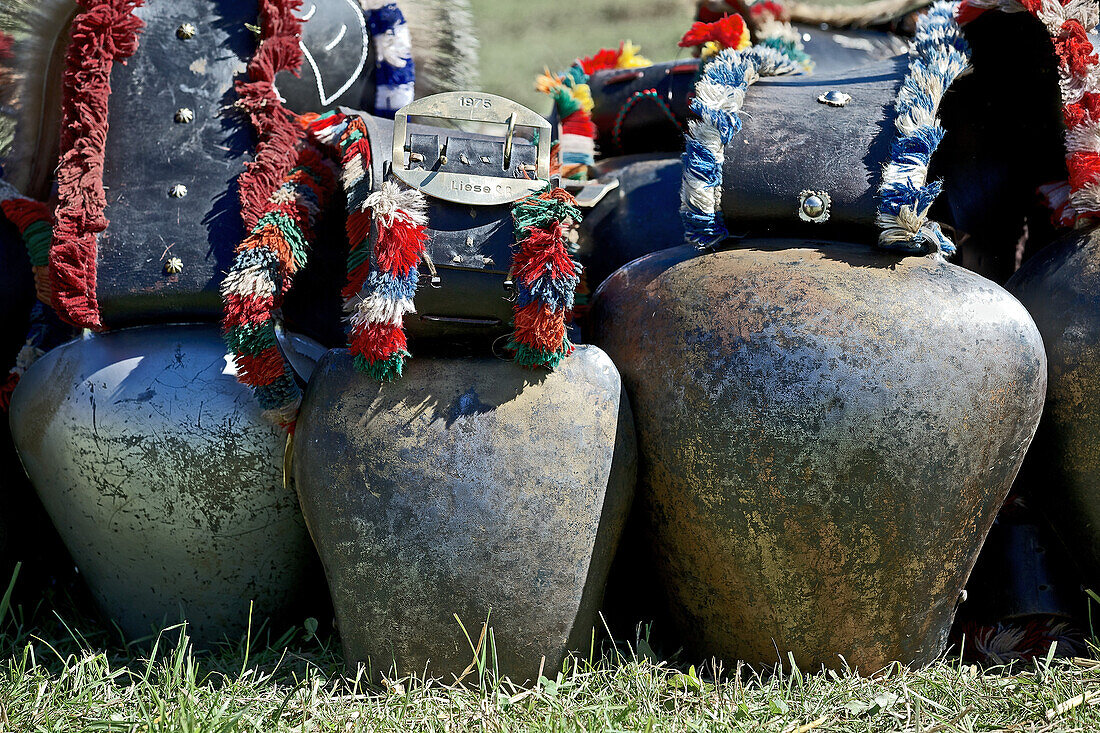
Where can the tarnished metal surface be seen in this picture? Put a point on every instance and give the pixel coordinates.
(1060, 287)
(466, 187)
(825, 433)
(163, 480)
(469, 487)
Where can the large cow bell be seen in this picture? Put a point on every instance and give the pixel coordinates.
(164, 481)
(1060, 286)
(826, 433)
(469, 488)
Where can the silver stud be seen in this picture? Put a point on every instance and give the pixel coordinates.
(464, 160)
(813, 206)
(456, 258)
(186, 31)
(485, 160)
(178, 191)
(173, 266)
(487, 260)
(185, 115)
(835, 98)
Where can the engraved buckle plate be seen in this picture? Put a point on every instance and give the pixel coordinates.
(467, 188)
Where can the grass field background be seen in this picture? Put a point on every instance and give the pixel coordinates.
(521, 37)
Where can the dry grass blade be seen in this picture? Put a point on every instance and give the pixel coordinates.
(1071, 703)
(808, 726)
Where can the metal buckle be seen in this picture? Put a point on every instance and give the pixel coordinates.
(467, 188)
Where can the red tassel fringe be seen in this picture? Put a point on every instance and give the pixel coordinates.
(398, 249)
(539, 327)
(378, 341)
(6, 390)
(107, 31)
(277, 129)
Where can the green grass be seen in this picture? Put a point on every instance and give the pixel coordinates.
(62, 670)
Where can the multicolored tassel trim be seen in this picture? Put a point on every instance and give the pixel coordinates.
(1075, 202)
(546, 277)
(277, 129)
(773, 29)
(381, 279)
(45, 332)
(106, 31)
(34, 221)
(573, 103)
(719, 97)
(708, 39)
(395, 72)
(769, 24)
(645, 95)
(262, 273)
(905, 193)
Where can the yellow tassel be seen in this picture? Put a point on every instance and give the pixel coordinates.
(629, 57)
(744, 43)
(583, 94)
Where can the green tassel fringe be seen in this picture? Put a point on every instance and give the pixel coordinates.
(384, 370)
(251, 339)
(528, 356)
(38, 237)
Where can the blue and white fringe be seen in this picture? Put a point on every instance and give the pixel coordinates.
(905, 194)
(395, 72)
(719, 97)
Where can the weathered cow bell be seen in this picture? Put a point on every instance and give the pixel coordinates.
(177, 142)
(827, 432)
(1060, 286)
(164, 481)
(470, 490)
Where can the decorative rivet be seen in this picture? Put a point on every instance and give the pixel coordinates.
(485, 160)
(185, 115)
(487, 260)
(186, 31)
(178, 191)
(463, 159)
(813, 206)
(835, 98)
(173, 266)
(456, 258)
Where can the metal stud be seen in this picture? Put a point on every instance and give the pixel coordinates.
(186, 31)
(835, 98)
(456, 259)
(813, 206)
(185, 115)
(178, 191)
(173, 266)
(487, 260)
